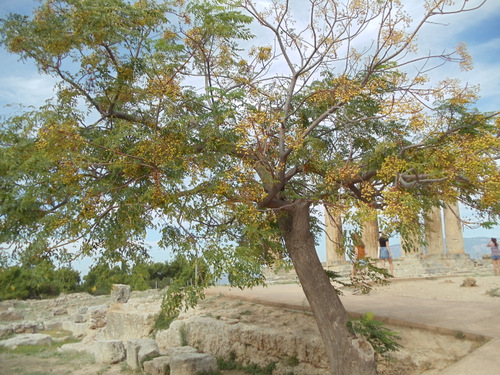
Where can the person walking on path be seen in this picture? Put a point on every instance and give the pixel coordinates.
(495, 256)
(384, 252)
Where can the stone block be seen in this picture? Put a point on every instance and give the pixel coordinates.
(79, 318)
(109, 351)
(82, 310)
(78, 347)
(27, 339)
(140, 350)
(53, 325)
(60, 311)
(120, 293)
(77, 329)
(27, 327)
(192, 364)
(97, 317)
(132, 320)
(11, 315)
(158, 366)
(180, 350)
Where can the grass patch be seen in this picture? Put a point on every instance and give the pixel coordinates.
(291, 361)
(57, 333)
(37, 350)
(253, 369)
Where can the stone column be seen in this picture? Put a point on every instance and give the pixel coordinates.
(370, 237)
(434, 232)
(453, 230)
(333, 228)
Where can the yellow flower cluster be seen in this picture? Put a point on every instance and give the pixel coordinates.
(59, 136)
(261, 53)
(419, 121)
(391, 166)
(491, 195)
(367, 190)
(161, 151)
(472, 161)
(399, 206)
(465, 57)
(344, 173)
(452, 90)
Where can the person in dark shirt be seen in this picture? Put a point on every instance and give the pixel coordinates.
(384, 252)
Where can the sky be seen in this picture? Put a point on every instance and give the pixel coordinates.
(480, 30)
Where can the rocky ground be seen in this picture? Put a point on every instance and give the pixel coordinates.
(423, 352)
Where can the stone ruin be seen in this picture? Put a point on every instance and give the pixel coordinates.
(115, 328)
(119, 329)
(444, 253)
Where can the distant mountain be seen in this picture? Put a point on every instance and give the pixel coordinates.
(475, 247)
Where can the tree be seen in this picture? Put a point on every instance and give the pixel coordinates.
(167, 117)
(40, 280)
(139, 276)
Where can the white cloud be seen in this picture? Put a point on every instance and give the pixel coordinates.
(30, 90)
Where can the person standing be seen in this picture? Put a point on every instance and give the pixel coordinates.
(495, 256)
(384, 252)
(359, 252)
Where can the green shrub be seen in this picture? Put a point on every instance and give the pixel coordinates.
(37, 281)
(382, 339)
(140, 276)
(164, 320)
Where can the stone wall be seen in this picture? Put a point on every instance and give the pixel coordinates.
(248, 343)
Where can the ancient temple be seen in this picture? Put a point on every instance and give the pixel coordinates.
(444, 250)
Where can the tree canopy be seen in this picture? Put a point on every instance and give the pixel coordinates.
(173, 115)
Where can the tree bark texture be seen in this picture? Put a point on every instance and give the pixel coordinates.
(347, 353)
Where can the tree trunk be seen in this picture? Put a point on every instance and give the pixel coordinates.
(347, 353)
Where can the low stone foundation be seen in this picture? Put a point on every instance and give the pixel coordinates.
(249, 343)
(409, 266)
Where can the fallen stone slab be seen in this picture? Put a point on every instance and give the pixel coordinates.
(27, 339)
(192, 364)
(139, 351)
(27, 327)
(60, 311)
(109, 351)
(180, 350)
(11, 315)
(79, 347)
(158, 366)
(53, 325)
